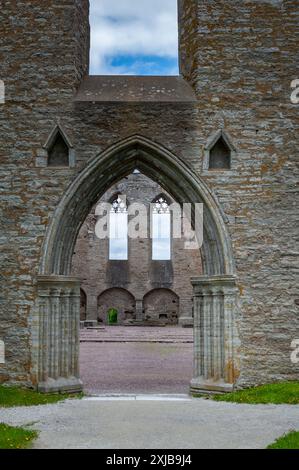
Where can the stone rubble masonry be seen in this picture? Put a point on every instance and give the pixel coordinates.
(240, 57)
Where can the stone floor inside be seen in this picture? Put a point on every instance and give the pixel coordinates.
(136, 360)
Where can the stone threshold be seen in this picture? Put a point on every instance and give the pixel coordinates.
(162, 341)
(138, 397)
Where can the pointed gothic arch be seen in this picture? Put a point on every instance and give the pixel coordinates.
(215, 292)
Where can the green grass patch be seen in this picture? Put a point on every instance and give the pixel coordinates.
(13, 396)
(288, 441)
(15, 438)
(277, 394)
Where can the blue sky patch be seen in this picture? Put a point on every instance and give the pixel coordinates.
(134, 37)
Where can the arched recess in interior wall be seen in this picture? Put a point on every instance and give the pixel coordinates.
(117, 299)
(161, 305)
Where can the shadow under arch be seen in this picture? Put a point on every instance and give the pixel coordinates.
(126, 301)
(110, 166)
(215, 333)
(165, 298)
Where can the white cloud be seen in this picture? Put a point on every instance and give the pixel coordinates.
(135, 28)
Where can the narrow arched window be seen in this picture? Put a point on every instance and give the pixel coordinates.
(58, 152)
(118, 229)
(161, 229)
(220, 156)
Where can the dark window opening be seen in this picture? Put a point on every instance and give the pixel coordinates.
(220, 156)
(58, 154)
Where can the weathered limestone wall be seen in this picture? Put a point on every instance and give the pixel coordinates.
(43, 56)
(243, 59)
(139, 275)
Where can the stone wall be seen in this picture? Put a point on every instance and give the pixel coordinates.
(243, 58)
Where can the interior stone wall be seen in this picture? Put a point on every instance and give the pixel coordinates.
(139, 275)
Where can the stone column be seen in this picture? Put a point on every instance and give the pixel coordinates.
(91, 307)
(58, 320)
(139, 310)
(185, 313)
(215, 336)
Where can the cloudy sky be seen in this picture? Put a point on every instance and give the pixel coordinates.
(134, 37)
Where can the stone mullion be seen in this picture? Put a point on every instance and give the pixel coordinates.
(207, 335)
(76, 333)
(229, 301)
(55, 346)
(198, 344)
(217, 335)
(64, 334)
(44, 308)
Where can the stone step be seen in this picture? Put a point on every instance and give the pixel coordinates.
(137, 335)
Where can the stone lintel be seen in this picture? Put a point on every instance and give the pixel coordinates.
(136, 89)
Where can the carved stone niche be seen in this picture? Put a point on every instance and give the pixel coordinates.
(58, 321)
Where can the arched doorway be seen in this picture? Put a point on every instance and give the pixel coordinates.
(120, 300)
(215, 333)
(161, 305)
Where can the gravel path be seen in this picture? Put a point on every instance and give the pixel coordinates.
(136, 367)
(154, 423)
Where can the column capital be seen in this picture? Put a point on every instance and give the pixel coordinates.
(205, 285)
(57, 282)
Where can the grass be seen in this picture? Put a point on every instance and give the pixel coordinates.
(288, 441)
(277, 393)
(15, 438)
(13, 396)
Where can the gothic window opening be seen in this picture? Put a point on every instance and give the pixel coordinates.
(220, 156)
(161, 230)
(58, 153)
(118, 229)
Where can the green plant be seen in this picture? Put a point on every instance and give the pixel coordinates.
(112, 316)
(15, 437)
(14, 396)
(277, 393)
(288, 441)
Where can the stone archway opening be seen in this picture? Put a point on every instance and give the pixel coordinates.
(117, 299)
(215, 332)
(135, 343)
(162, 305)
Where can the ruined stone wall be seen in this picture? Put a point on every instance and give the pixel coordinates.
(43, 56)
(139, 275)
(244, 57)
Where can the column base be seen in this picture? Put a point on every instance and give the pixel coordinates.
(186, 322)
(202, 386)
(61, 385)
